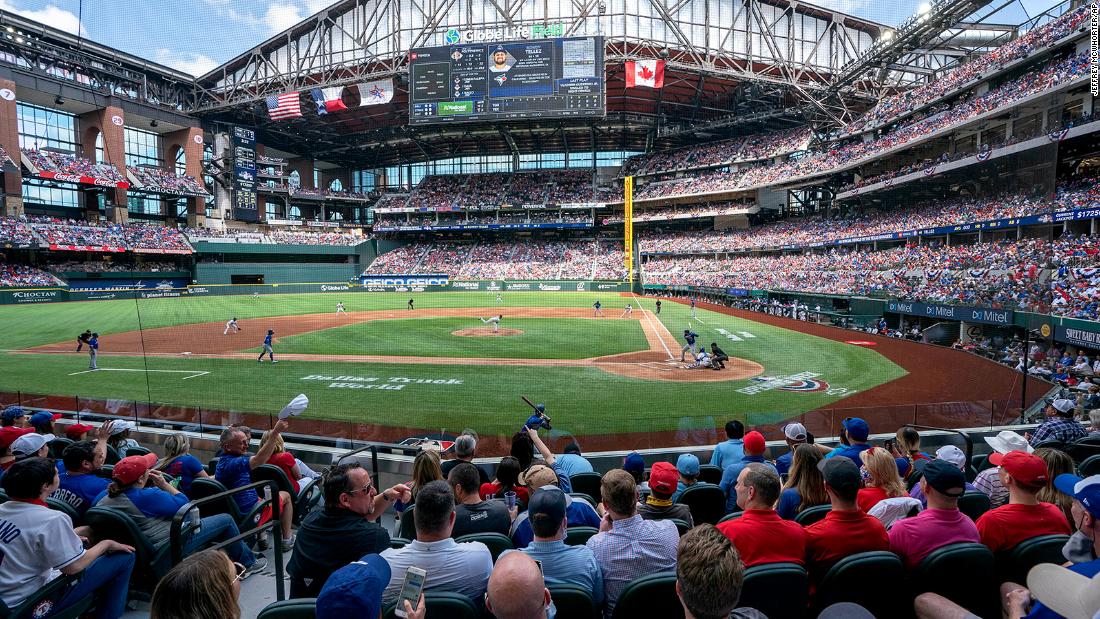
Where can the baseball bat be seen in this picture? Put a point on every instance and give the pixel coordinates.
(529, 403)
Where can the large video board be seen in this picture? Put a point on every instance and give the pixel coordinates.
(547, 78)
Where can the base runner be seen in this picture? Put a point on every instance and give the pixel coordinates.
(492, 320)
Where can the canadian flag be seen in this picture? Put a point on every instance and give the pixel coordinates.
(645, 73)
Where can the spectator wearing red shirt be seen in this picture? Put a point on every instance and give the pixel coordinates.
(885, 481)
(1024, 516)
(941, 524)
(283, 459)
(846, 529)
(760, 535)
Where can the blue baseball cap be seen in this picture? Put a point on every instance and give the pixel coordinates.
(12, 413)
(1084, 489)
(688, 464)
(42, 418)
(634, 462)
(354, 590)
(856, 428)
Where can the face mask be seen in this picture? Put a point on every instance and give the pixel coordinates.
(865, 475)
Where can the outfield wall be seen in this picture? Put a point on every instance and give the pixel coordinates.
(275, 273)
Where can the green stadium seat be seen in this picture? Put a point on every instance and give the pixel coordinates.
(874, 580)
(963, 573)
(681, 525)
(974, 503)
(653, 595)
(151, 561)
(1090, 467)
(731, 516)
(48, 595)
(304, 501)
(583, 497)
(573, 601)
(496, 542)
(1014, 563)
(301, 608)
(65, 508)
(813, 514)
(399, 542)
(587, 483)
(776, 589)
(578, 536)
(707, 502)
(442, 605)
(710, 473)
(1079, 450)
(58, 445)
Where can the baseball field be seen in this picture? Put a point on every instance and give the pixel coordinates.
(440, 367)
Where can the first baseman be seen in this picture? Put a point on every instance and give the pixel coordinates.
(268, 350)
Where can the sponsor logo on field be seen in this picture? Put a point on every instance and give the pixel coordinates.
(580, 286)
(379, 383)
(803, 382)
(466, 285)
(440, 442)
(606, 286)
(199, 290)
(517, 286)
(549, 287)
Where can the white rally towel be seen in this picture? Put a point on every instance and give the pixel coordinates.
(375, 93)
(295, 407)
(649, 73)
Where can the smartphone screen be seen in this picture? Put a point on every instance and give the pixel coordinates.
(410, 589)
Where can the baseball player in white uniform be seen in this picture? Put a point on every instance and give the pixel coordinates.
(702, 360)
(493, 320)
(628, 311)
(500, 299)
(232, 324)
(340, 309)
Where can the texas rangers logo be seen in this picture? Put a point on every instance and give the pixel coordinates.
(802, 385)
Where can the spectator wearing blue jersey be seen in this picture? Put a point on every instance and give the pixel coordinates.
(733, 449)
(235, 470)
(853, 440)
(577, 511)
(80, 486)
(179, 463)
(152, 510)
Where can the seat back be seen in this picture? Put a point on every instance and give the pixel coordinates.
(874, 580)
(109, 523)
(137, 451)
(1079, 450)
(681, 526)
(813, 514)
(776, 589)
(212, 466)
(65, 508)
(203, 487)
(305, 499)
(578, 536)
(301, 608)
(587, 483)
(44, 599)
(1051, 444)
(913, 478)
(710, 474)
(653, 595)
(707, 502)
(1014, 564)
(112, 455)
(974, 503)
(496, 542)
(733, 516)
(443, 605)
(58, 445)
(964, 573)
(1090, 467)
(572, 601)
(580, 496)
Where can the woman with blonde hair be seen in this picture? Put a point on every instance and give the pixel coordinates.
(1058, 463)
(283, 459)
(805, 485)
(179, 463)
(883, 480)
(205, 585)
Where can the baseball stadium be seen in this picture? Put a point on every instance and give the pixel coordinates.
(607, 227)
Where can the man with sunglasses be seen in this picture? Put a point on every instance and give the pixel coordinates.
(345, 530)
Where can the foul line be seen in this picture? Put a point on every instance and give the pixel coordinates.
(193, 373)
(649, 317)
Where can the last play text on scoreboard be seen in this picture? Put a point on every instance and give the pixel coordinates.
(549, 78)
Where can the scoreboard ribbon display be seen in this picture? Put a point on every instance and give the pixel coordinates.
(550, 78)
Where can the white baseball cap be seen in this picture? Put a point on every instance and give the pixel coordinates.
(1067, 593)
(1063, 405)
(29, 444)
(1007, 440)
(795, 431)
(119, 427)
(952, 454)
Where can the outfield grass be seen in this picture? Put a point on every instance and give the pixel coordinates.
(582, 400)
(542, 338)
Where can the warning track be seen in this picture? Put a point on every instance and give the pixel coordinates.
(207, 340)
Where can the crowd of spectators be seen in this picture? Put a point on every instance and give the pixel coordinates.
(62, 231)
(505, 259)
(62, 163)
(747, 148)
(111, 266)
(22, 276)
(492, 190)
(162, 181)
(288, 237)
(16, 231)
(696, 211)
(467, 218)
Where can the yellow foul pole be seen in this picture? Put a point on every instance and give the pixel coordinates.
(628, 227)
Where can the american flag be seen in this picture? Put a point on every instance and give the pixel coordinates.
(282, 107)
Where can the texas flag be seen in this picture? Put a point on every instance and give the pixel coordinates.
(648, 73)
(333, 98)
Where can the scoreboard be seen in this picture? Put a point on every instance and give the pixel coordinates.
(546, 78)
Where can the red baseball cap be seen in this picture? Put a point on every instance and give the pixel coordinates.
(754, 442)
(75, 430)
(663, 477)
(8, 434)
(1028, 469)
(131, 468)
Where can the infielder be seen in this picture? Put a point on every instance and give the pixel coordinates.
(500, 299)
(410, 304)
(255, 295)
(93, 351)
(628, 311)
(270, 352)
(598, 312)
(493, 320)
(340, 309)
(232, 324)
(83, 338)
(693, 308)
(702, 360)
(689, 339)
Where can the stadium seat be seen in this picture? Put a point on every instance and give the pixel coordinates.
(874, 580)
(681, 525)
(1014, 563)
(974, 504)
(398, 542)
(583, 497)
(212, 466)
(1090, 466)
(813, 514)
(963, 573)
(913, 479)
(578, 536)
(1079, 450)
(587, 483)
(496, 542)
(443, 605)
(776, 589)
(653, 595)
(572, 601)
(710, 474)
(301, 608)
(137, 451)
(731, 516)
(106, 471)
(980, 462)
(406, 526)
(1051, 444)
(45, 598)
(304, 501)
(707, 502)
(113, 457)
(150, 561)
(58, 445)
(204, 487)
(65, 508)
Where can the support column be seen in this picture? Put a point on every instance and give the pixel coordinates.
(190, 140)
(223, 151)
(9, 139)
(110, 122)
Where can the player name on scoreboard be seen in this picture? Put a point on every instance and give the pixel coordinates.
(552, 78)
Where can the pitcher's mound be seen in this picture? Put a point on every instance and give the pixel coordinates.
(486, 332)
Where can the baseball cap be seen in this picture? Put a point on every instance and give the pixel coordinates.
(1067, 593)
(355, 590)
(1084, 489)
(10, 433)
(131, 468)
(12, 413)
(29, 444)
(1006, 441)
(945, 477)
(119, 427)
(44, 417)
(663, 477)
(634, 462)
(1063, 405)
(952, 454)
(1028, 469)
(754, 442)
(547, 504)
(841, 474)
(856, 428)
(688, 464)
(77, 429)
(537, 476)
(795, 431)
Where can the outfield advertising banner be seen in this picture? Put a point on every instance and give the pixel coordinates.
(412, 283)
(33, 295)
(952, 312)
(497, 285)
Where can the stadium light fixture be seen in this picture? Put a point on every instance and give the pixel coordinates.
(924, 8)
(59, 100)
